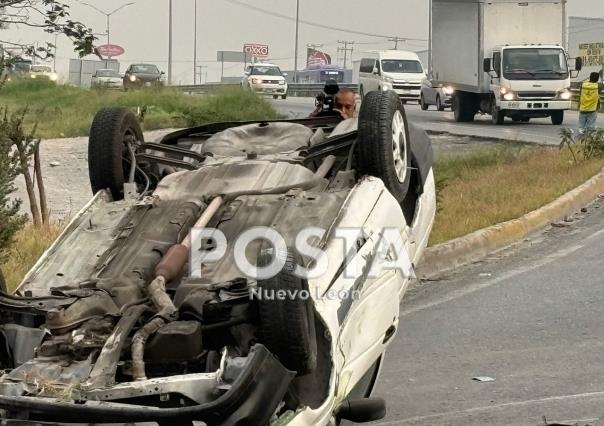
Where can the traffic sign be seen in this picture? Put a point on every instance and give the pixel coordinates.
(110, 50)
(256, 50)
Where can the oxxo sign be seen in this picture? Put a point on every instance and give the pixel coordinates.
(256, 50)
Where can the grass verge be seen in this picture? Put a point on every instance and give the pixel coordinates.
(30, 244)
(67, 111)
(491, 186)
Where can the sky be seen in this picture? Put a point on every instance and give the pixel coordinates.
(142, 30)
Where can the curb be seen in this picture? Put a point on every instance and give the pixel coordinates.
(477, 245)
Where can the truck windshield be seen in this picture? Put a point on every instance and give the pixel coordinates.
(534, 64)
(401, 66)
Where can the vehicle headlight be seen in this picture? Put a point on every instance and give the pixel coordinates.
(132, 78)
(509, 96)
(33, 76)
(282, 83)
(388, 79)
(53, 77)
(566, 94)
(385, 88)
(256, 81)
(448, 90)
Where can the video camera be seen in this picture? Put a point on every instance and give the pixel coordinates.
(327, 99)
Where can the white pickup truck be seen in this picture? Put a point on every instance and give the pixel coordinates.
(503, 58)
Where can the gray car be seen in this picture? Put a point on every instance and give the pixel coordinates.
(433, 94)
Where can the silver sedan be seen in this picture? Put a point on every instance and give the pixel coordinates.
(432, 94)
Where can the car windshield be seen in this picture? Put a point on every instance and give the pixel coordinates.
(534, 64)
(41, 68)
(260, 70)
(107, 73)
(399, 66)
(145, 69)
(22, 66)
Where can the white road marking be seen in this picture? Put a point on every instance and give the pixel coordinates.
(495, 407)
(456, 294)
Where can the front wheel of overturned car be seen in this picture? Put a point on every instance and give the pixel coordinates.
(113, 132)
(287, 324)
(383, 141)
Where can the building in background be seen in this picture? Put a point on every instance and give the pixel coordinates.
(586, 39)
(82, 70)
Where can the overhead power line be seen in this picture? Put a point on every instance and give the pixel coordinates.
(315, 24)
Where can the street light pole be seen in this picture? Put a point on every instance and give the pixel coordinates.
(170, 45)
(108, 15)
(195, 47)
(296, 47)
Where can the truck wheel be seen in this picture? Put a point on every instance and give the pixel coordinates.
(383, 141)
(463, 108)
(498, 116)
(557, 117)
(439, 103)
(287, 327)
(108, 154)
(423, 103)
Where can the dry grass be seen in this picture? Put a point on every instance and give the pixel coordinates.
(486, 193)
(29, 245)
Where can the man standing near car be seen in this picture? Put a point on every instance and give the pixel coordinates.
(589, 103)
(345, 104)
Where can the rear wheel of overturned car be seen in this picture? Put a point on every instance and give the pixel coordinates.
(383, 141)
(114, 132)
(287, 327)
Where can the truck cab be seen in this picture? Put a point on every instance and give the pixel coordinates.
(527, 81)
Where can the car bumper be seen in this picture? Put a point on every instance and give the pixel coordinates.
(408, 94)
(535, 105)
(271, 89)
(251, 399)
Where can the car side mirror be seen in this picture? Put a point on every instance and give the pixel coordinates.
(376, 71)
(578, 64)
(284, 74)
(162, 73)
(574, 73)
(486, 65)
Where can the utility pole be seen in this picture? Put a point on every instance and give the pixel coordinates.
(346, 49)
(195, 47)
(170, 45)
(430, 41)
(396, 40)
(54, 64)
(297, 37)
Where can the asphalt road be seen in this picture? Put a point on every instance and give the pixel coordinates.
(530, 317)
(537, 131)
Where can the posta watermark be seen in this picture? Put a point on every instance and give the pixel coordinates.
(359, 253)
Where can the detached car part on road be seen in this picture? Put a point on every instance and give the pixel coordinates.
(110, 326)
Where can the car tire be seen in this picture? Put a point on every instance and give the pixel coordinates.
(108, 156)
(287, 327)
(557, 117)
(439, 103)
(383, 141)
(284, 97)
(422, 103)
(498, 116)
(463, 110)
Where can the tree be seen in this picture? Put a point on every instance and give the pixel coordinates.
(50, 16)
(10, 218)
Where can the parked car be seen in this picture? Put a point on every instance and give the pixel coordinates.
(266, 79)
(43, 72)
(138, 76)
(107, 79)
(435, 94)
(111, 326)
(392, 70)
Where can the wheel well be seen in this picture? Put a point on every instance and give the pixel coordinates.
(409, 204)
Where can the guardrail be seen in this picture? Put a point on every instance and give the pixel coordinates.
(294, 89)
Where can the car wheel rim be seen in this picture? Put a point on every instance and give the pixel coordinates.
(399, 143)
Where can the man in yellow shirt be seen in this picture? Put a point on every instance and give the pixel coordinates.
(589, 103)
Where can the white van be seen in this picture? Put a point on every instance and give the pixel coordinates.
(396, 70)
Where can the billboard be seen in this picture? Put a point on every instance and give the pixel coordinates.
(316, 58)
(256, 50)
(232, 56)
(110, 50)
(592, 54)
(586, 39)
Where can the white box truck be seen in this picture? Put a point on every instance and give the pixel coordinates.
(502, 57)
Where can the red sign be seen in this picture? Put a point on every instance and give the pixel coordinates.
(110, 50)
(316, 58)
(256, 50)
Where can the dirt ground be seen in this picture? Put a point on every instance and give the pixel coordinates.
(66, 172)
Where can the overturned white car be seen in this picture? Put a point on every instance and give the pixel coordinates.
(276, 309)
